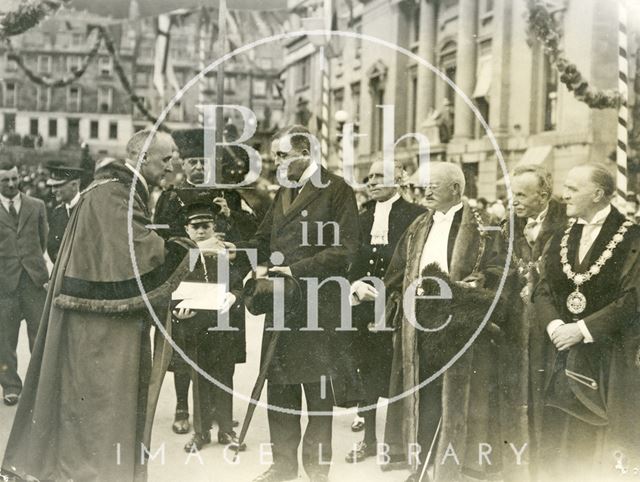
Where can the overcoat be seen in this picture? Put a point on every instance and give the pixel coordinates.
(318, 236)
(88, 400)
(374, 350)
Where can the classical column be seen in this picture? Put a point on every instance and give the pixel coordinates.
(426, 51)
(501, 67)
(465, 66)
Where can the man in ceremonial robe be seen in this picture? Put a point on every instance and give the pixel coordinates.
(462, 401)
(382, 223)
(85, 414)
(537, 218)
(587, 304)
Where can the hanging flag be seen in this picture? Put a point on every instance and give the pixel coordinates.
(161, 53)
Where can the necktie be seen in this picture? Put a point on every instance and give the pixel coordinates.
(528, 231)
(13, 212)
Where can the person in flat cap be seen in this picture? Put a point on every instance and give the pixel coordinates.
(215, 352)
(65, 183)
(232, 216)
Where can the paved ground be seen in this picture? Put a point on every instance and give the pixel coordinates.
(173, 464)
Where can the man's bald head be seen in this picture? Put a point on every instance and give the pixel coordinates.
(156, 160)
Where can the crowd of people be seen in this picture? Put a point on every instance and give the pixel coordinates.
(506, 350)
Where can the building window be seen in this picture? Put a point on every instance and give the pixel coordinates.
(10, 94)
(9, 65)
(33, 127)
(44, 63)
(413, 99)
(303, 73)
(355, 108)
(93, 129)
(230, 84)
(105, 66)
(43, 98)
(260, 88)
(73, 63)
(105, 97)
(338, 99)
(377, 120)
(488, 6)
(73, 98)
(448, 66)
(358, 41)
(77, 39)
(53, 127)
(142, 79)
(550, 89)
(113, 130)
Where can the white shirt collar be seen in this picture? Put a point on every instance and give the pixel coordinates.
(308, 172)
(389, 201)
(6, 200)
(599, 217)
(137, 174)
(439, 215)
(540, 217)
(74, 201)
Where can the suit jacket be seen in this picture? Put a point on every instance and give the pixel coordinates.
(22, 247)
(305, 356)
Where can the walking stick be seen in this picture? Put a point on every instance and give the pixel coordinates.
(428, 458)
(257, 390)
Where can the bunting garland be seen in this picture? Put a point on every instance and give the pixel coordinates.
(45, 80)
(543, 26)
(28, 15)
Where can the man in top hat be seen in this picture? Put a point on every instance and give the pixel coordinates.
(383, 221)
(65, 184)
(23, 273)
(215, 352)
(587, 305)
(232, 218)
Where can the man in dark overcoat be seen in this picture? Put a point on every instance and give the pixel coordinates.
(383, 221)
(65, 184)
(587, 304)
(313, 234)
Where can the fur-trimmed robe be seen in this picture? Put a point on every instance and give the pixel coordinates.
(90, 391)
(469, 396)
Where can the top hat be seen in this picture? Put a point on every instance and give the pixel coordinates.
(60, 174)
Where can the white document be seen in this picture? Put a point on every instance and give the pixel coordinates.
(199, 296)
